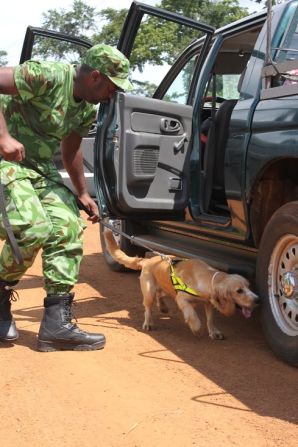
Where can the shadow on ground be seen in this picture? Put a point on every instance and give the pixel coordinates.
(242, 365)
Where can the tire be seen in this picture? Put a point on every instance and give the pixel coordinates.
(124, 243)
(278, 253)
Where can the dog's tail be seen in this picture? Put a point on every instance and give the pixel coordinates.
(134, 263)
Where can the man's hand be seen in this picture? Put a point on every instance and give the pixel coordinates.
(11, 149)
(89, 203)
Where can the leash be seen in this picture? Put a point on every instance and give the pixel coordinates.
(28, 164)
(16, 252)
(178, 284)
(134, 241)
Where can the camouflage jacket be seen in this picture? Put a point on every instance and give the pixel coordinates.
(44, 110)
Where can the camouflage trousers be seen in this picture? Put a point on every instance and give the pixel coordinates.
(43, 215)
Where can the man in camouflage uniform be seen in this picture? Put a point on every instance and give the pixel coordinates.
(44, 104)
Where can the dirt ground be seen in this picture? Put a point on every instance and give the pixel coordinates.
(163, 388)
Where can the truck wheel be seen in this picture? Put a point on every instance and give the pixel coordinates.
(124, 243)
(278, 254)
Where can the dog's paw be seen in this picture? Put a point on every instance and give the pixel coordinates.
(148, 327)
(217, 335)
(196, 332)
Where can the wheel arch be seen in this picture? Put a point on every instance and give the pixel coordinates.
(276, 185)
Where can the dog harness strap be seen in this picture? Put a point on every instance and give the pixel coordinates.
(179, 284)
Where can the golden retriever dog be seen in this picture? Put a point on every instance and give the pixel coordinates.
(215, 289)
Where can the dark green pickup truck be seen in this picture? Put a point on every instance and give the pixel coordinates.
(228, 194)
(208, 165)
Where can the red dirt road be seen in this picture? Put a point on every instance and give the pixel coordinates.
(163, 388)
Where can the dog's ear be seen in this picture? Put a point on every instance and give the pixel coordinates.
(222, 300)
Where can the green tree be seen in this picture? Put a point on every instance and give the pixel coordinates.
(265, 2)
(80, 21)
(215, 13)
(3, 60)
(158, 41)
(162, 41)
(222, 12)
(113, 20)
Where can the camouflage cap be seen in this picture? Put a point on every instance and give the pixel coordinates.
(111, 62)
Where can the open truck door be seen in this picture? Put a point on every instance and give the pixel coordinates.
(143, 144)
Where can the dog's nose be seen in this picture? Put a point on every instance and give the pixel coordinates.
(257, 300)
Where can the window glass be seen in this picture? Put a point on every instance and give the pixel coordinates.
(178, 90)
(158, 44)
(288, 51)
(289, 47)
(226, 86)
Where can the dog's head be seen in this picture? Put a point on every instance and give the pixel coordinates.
(231, 291)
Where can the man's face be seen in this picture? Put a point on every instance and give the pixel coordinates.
(97, 88)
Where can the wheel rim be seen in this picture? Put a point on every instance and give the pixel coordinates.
(283, 259)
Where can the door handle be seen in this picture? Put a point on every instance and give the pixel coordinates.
(179, 146)
(170, 125)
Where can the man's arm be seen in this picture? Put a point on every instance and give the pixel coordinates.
(10, 149)
(73, 162)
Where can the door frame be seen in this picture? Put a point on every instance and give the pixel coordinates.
(32, 31)
(134, 18)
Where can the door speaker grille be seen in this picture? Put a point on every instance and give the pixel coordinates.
(145, 161)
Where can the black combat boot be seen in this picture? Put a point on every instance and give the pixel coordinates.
(57, 332)
(8, 330)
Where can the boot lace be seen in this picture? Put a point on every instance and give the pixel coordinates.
(69, 314)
